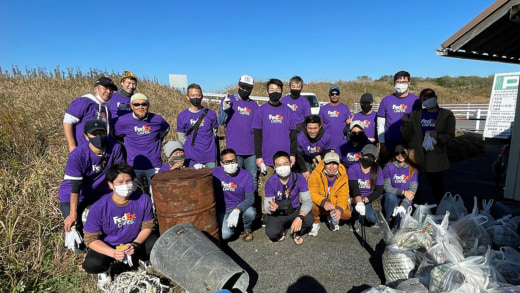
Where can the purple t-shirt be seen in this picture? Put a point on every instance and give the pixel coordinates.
(399, 177)
(119, 225)
(334, 119)
(274, 188)
(312, 149)
(203, 150)
(239, 133)
(86, 108)
(392, 109)
(118, 106)
(356, 173)
(428, 120)
(349, 153)
(369, 123)
(89, 168)
(300, 107)
(233, 188)
(142, 139)
(276, 123)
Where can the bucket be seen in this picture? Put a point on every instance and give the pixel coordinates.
(185, 196)
(185, 255)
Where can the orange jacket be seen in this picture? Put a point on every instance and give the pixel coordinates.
(339, 194)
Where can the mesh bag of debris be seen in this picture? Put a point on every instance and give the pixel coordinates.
(398, 264)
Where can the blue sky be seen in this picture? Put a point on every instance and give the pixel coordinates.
(214, 42)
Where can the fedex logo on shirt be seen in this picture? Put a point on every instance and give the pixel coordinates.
(293, 107)
(353, 157)
(400, 179)
(228, 186)
(102, 116)
(145, 129)
(428, 122)
(313, 150)
(363, 184)
(276, 118)
(244, 111)
(126, 219)
(399, 108)
(193, 121)
(367, 123)
(280, 194)
(123, 106)
(333, 113)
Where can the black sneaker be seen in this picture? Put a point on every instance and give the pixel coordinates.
(264, 219)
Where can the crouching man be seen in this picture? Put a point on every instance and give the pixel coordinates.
(329, 190)
(235, 195)
(282, 201)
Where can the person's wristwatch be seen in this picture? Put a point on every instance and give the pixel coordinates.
(301, 217)
(136, 245)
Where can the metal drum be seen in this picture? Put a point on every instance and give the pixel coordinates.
(185, 196)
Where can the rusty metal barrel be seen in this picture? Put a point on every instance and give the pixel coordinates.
(185, 196)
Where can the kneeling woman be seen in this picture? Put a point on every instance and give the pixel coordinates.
(122, 218)
(365, 180)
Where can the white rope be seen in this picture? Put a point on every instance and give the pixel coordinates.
(137, 281)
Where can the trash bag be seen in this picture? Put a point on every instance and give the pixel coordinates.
(398, 264)
(470, 275)
(440, 231)
(382, 289)
(421, 212)
(507, 263)
(486, 211)
(412, 286)
(506, 289)
(454, 204)
(503, 232)
(416, 239)
(470, 229)
(384, 228)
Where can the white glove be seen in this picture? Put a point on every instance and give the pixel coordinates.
(360, 208)
(198, 166)
(399, 210)
(263, 169)
(128, 260)
(429, 142)
(232, 219)
(72, 238)
(226, 104)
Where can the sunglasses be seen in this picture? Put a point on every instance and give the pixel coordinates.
(141, 104)
(334, 94)
(402, 153)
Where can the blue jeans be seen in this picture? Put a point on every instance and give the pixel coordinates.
(249, 163)
(247, 218)
(389, 204)
(370, 214)
(210, 165)
(148, 173)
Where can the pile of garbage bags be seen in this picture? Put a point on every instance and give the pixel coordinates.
(452, 251)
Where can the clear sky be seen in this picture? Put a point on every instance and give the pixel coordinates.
(214, 42)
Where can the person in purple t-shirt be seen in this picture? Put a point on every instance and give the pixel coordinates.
(274, 130)
(297, 103)
(367, 116)
(84, 180)
(366, 182)
(237, 112)
(142, 133)
(311, 144)
(356, 139)
(88, 107)
(119, 105)
(282, 202)
(119, 225)
(334, 116)
(391, 110)
(401, 182)
(196, 129)
(175, 153)
(235, 196)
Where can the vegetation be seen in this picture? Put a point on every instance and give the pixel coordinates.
(34, 154)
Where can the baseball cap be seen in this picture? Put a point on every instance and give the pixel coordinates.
(246, 80)
(366, 98)
(171, 147)
(334, 88)
(93, 125)
(331, 157)
(106, 82)
(370, 149)
(138, 96)
(128, 74)
(357, 123)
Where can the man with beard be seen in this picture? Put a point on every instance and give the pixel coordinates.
(334, 116)
(196, 128)
(311, 144)
(367, 116)
(119, 105)
(237, 112)
(298, 104)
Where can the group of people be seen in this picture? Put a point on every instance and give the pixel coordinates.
(281, 164)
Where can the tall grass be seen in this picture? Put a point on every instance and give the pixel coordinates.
(33, 154)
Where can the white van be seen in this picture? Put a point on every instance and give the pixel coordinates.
(313, 100)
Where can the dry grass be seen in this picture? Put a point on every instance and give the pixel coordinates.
(34, 154)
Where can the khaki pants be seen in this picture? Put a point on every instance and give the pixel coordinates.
(262, 179)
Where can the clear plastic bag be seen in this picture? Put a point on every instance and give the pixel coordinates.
(469, 275)
(382, 289)
(398, 264)
(470, 229)
(421, 213)
(454, 204)
(412, 286)
(440, 231)
(416, 239)
(503, 232)
(507, 263)
(486, 212)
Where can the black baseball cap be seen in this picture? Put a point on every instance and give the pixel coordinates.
(106, 82)
(93, 125)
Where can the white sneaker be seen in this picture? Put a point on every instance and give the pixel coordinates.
(336, 227)
(315, 229)
(103, 279)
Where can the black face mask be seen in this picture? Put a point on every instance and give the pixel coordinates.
(366, 108)
(196, 101)
(275, 97)
(99, 141)
(243, 94)
(367, 162)
(295, 93)
(356, 137)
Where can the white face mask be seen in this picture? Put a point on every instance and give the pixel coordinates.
(124, 190)
(401, 88)
(430, 103)
(231, 168)
(283, 171)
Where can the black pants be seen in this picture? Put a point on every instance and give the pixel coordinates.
(435, 181)
(275, 223)
(96, 262)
